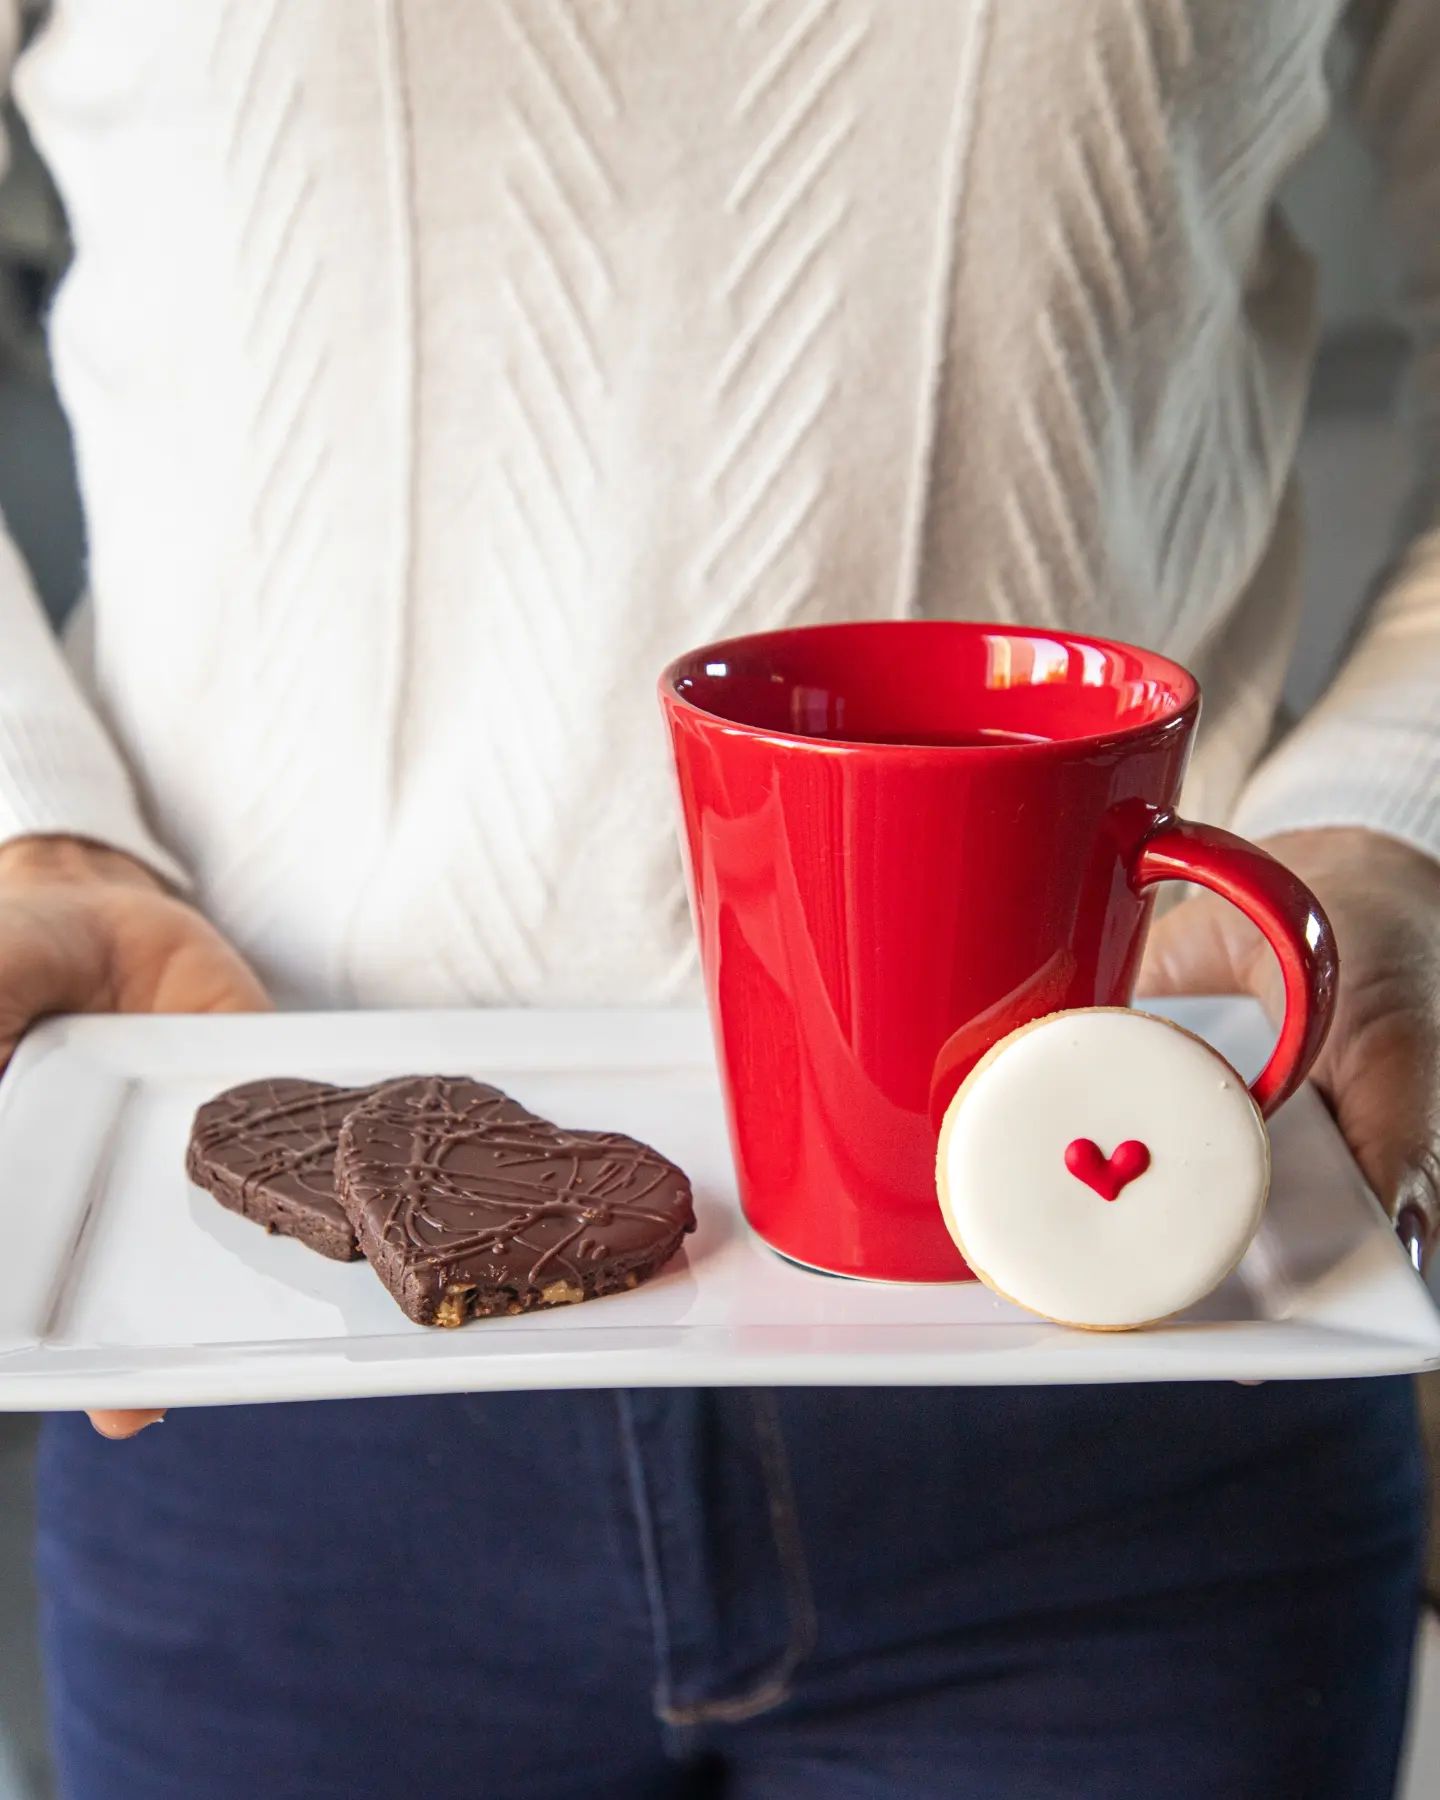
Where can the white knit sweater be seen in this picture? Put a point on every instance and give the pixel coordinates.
(438, 368)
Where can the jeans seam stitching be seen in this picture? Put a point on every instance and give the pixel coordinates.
(649, 1555)
(774, 1686)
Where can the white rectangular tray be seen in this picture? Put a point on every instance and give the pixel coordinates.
(122, 1285)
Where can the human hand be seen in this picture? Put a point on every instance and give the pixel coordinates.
(84, 929)
(1380, 1068)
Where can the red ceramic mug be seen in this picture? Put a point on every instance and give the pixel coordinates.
(905, 839)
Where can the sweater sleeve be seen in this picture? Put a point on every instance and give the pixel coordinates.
(1368, 754)
(59, 772)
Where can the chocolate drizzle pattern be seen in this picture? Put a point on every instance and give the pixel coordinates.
(267, 1149)
(456, 1184)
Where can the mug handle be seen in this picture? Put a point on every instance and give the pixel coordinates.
(1286, 912)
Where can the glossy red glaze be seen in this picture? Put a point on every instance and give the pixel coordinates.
(1109, 1175)
(905, 840)
(1287, 913)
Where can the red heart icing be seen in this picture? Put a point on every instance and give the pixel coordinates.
(1106, 1176)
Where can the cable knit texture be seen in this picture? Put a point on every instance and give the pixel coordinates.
(439, 369)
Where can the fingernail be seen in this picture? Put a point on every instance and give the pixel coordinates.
(103, 1425)
(1410, 1228)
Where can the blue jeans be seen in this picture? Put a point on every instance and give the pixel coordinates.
(1153, 1593)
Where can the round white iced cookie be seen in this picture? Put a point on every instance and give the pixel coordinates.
(1103, 1167)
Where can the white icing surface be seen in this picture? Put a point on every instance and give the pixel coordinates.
(1044, 1238)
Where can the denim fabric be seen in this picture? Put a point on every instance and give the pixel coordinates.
(1150, 1593)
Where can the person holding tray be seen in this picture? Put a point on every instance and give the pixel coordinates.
(437, 372)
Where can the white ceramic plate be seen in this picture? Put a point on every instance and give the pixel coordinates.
(122, 1285)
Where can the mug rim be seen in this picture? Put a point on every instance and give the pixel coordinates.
(1180, 713)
